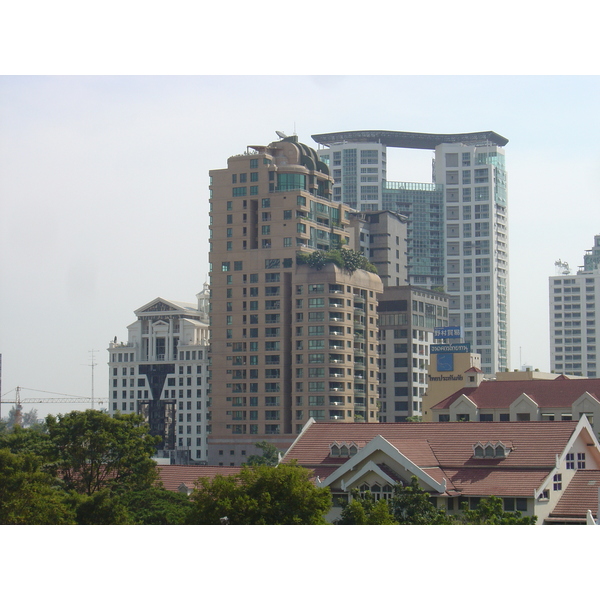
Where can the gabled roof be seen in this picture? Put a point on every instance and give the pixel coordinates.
(534, 443)
(161, 305)
(580, 496)
(172, 476)
(553, 393)
(444, 452)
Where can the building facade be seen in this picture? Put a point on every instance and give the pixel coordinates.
(407, 318)
(457, 225)
(162, 372)
(290, 339)
(533, 467)
(574, 309)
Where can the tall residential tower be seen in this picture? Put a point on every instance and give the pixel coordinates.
(291, 337)
(457, 224)
(574, 309)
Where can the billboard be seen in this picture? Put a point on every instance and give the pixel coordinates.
(443, 333)
(451, 348)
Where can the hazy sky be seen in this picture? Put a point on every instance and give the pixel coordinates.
(104, 192)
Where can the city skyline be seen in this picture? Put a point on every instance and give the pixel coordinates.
(104, 183)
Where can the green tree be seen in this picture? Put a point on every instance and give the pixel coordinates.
(489, 511)
(28, 496)
(411, 506)
(365, 510)
(157, 506)
(269, 456)
(34, 440)
(93, 450)
(262, 495)
(103, 507)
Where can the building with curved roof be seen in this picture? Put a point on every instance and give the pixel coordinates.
(457, 224)
(407, 139)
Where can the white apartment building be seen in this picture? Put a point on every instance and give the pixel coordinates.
(457, 234)
(162, 372)
(574, 306)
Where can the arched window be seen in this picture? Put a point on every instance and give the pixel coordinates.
(353, 450)
(376, 491)
(500, 451)
(335, 450)
(489, 451)
(478, 452)
(386, 491)
(344, 451)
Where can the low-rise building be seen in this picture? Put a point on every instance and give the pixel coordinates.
(529, 465)
(559, 399)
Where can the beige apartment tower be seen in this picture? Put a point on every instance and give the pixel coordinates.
(290, 339)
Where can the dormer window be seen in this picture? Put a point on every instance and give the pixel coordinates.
(344, 450)
(490, 450)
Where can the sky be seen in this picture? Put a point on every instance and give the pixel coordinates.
(104, 193)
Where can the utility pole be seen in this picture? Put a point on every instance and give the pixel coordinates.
(93, 364)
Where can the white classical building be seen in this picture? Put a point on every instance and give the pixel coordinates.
(162, 372)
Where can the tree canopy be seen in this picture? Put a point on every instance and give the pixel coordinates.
(262, 495)
(363, 509)
(29, 496)
(93, 450)
(269, 456)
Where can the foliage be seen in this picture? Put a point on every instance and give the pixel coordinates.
(157, 506)
(262, 495)
(101, 508)
(411, 506)
(415, 419)
(93, 450)
(365, 510)
(34, 440)
(28, 419)
(347, 259)
(489, 511)
(27, 495)
(269, 456)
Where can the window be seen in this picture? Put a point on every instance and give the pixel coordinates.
(570, 460)
(557, 485)
(581, 460)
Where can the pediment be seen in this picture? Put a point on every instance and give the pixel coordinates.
(463, 402)
(380, 451)
(158, 306)
(586, 403)
(523, 401)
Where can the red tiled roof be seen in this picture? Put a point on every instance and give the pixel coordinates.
(445, 451)
(173, 476)
(547, 393)
(580, 496)
(534, 443)
(496, 482)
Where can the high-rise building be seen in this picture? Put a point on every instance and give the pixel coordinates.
(162, 372)
(380, 235)
(457, 225)
(408, 316)
(292, 337)
(574, 309)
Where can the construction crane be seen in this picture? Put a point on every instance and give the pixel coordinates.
(67, 399)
